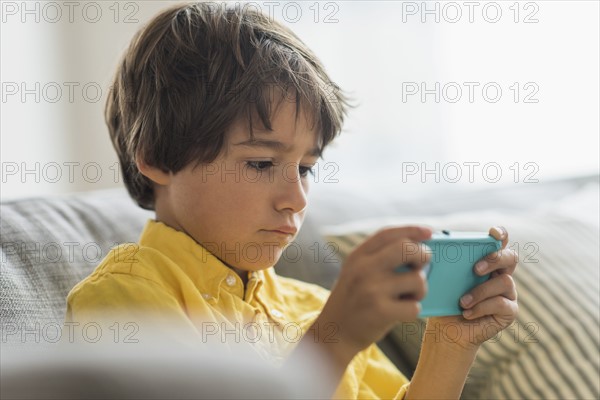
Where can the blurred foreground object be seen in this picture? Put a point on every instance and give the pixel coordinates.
(141, 372)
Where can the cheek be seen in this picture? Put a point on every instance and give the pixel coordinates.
(226, 200)
(243, 192)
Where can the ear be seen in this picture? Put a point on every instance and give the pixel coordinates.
(156, 175)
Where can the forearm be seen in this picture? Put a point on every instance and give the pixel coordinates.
(441, 371)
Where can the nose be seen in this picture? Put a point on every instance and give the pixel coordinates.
(291, 191)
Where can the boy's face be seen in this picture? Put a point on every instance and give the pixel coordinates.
(235, 205)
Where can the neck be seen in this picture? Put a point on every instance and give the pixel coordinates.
(242, 274)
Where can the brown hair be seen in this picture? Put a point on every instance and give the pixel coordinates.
(192, 71)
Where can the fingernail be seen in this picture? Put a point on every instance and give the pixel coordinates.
(466, 299)
(467, 313)
(501, 231)
(481, 266)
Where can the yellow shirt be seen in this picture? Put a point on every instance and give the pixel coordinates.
(171, 276)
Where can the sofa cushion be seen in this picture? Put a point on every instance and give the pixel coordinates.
(48, 245)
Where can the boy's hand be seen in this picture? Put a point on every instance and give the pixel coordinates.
(369, 297)
(444, 361)
(491, 306)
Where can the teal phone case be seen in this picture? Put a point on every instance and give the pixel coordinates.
(450, 272)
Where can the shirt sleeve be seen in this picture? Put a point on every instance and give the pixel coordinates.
(382, 380)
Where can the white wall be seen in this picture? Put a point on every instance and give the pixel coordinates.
(61, 137)
(375, 50)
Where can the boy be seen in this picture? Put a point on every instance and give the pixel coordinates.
(217, 116)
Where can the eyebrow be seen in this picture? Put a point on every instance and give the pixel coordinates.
(276, 145)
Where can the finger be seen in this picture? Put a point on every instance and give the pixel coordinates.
(501, 262)
(411, 285)
(405, 310)
(499, 233)
(385, 236)
(498, 306)
(501, 285)
(417, 255)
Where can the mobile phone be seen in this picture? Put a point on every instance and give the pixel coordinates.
(450, 272)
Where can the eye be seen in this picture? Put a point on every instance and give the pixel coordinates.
(304, 171)
(259, 165)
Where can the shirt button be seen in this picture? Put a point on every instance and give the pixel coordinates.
(230, 280)
(206, 296)
(277, 313)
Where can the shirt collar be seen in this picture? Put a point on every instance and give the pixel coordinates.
(209, 274)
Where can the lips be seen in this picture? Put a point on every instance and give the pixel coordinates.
(286, 229)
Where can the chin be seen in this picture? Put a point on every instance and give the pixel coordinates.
(258, 257)
(262, 263)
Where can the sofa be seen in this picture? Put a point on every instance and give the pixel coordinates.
(551, 351)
